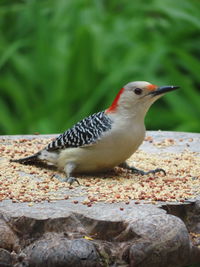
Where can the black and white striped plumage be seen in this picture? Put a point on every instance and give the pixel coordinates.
(86, 132)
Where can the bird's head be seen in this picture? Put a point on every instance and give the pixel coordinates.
(138, 96)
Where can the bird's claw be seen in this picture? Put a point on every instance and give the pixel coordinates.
(134, 170)
(155, 171)
(57, 176)
(71, 180)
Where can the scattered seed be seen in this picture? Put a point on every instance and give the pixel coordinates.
(36, 185)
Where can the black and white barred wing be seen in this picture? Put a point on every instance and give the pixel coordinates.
(86, 132)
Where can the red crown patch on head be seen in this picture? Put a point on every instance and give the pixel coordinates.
(152, 87)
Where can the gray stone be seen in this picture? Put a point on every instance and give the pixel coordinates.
(62, 252)
(164, 242)
(5, 258)
(8, 239)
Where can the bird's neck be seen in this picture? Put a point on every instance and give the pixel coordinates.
(129, 113)
(125, 109)
(114, 106)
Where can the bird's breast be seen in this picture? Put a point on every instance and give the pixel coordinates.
(113, 148)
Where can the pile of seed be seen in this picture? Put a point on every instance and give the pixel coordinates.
(24, 183)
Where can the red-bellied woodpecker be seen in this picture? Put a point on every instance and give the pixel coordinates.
(105, 139)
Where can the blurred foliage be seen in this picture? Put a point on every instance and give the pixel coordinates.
(62, 60)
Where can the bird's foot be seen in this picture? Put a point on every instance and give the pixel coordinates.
(125, 165)
(58, 177)
(134, 170)
(71, 180)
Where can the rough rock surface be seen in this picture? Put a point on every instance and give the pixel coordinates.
(64, 234)
(142, 235)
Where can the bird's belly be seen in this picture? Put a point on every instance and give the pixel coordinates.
(100, 156)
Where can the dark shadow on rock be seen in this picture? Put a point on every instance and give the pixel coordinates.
(5, 258)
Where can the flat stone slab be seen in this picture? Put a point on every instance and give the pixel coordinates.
(124, 233)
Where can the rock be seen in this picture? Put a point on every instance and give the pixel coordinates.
(5, 258)
(8, 239)
(142, 235)
(61, 252)
(193, 217)
(164, 242)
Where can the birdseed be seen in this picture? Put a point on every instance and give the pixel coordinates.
(24, 183)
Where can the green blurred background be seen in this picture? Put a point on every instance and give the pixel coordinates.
(62, 60)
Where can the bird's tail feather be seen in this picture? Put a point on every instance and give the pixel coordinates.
(31, 160)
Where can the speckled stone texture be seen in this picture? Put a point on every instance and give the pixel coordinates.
(64, 234)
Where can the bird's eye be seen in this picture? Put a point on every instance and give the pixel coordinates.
(138, 91)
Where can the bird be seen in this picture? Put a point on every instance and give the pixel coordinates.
(105, 139)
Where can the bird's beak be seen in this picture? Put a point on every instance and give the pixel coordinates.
(163, 89)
